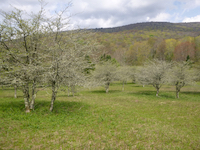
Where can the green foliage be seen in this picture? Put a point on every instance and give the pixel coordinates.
(107, 58)
(90, 67)
(160, 41)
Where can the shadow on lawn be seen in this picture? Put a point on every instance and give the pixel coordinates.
(7, 89)
(151, 94)
(66, 95)
(104, 92)
(69, 107)
(191, 93)
(43, 106)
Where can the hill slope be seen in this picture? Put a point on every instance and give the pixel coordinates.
(184, 27)
(133, 44)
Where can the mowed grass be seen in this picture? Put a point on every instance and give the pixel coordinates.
(130, 119)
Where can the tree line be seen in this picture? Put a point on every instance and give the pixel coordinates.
(133, 47)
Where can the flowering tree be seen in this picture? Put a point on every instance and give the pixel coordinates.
(180, 75)
(153, 73)
(105, 74)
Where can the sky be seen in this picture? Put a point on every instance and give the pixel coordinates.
(113, 13)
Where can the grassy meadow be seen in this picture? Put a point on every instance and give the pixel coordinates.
(131, 119)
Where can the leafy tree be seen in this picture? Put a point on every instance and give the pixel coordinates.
(152, 43)
(170, 47)
(197, 46)
(160, 52)
(143, 52)
(91, 65)
(153, 73)
(138, 53)
(120, 56)
(105, 57)
(183, 50)
(131, 54)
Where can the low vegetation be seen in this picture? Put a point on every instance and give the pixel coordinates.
(92, 119)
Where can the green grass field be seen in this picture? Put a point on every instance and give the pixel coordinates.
(132, 119)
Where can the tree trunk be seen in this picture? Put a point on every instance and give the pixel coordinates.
(15, 91)
(32, 104)
(177, 94)
(177, 91)
(68, 90)
(157, 91)
(107, 87)
(123, 87)
(73, 90)
(53, 97)
(26, 97)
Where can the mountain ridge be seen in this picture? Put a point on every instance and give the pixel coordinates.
(185, 27)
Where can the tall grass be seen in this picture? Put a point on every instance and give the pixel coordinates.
(132, 119)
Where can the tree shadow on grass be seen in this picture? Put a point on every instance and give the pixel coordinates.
(70, 107)
(151, 94)
(66, 95)
(42, 107)
(12, 97)
(136, 85)
(191, 93)
(7, 89)
(104, 92)
(146, 93)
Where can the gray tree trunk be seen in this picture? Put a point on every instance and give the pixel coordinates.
(177, 91)
(68, 91)
(53, 97)
(32, 104)
(15, 91)
(107, 87)
(177, 94)
(26, 97)
(123, 87)
(73, 90)
(157, 91)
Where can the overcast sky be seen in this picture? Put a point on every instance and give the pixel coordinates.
(112, 13)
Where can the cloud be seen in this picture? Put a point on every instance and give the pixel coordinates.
(111, 13)
(104, 13)
(161, 17)
(192, 19)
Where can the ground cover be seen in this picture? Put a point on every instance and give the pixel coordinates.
(131, 119)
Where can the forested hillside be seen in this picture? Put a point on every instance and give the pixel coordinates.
(191, 27)
(133, 44)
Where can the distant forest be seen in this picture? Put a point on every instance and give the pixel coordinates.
(133, 44)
